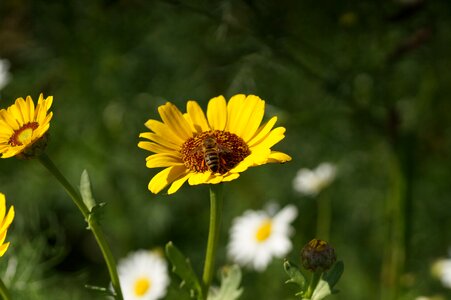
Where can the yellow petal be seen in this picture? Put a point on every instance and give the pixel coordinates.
(8, 220)
(2, 207)
(217, 113)
(275, 136)
(278, 157)
(159, 140)
(197, 116)
(23, 109)
(234, 107)
(230, 177)
(3, 249)
(162, 160)
(165, 177)
(30, 108)
(165, 131)
(262, 132)
(3, 236)
(175, 186)
(154, 147)
(16, 112)
(10, 119)
(254, 119)
(173, 118)
(199, 178)
(249, 117)
(215, 179)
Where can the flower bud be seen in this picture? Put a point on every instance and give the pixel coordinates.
(318, 255)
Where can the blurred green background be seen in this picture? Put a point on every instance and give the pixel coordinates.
(362, 84)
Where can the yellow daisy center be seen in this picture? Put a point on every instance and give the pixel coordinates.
(264, 231)
(214, 150)
(23, 134)
(142, 285)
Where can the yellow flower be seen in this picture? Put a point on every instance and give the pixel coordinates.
(4, 223)
(23, 124)
(213, 148)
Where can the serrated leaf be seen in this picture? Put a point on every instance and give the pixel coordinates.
(230, 284)
(182, 267)
(295, 274)
(85, 190)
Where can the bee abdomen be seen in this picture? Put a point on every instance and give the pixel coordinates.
(212, 160)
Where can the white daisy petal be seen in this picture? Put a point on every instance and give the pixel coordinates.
(311, 182)
(257, 237)
(143, 275)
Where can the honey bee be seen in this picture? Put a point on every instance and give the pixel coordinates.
(212, 155)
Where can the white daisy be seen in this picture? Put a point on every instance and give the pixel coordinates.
(143, 275)
(4, 74)
(442, 270)
(258, 236)
(311, 182)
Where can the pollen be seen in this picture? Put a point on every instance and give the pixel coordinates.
(229, 151)
(142, 285)
(23, 135)
(264, 231)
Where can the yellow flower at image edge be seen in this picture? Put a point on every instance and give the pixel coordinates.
(211, 148)
(23, 126)
(5, 221)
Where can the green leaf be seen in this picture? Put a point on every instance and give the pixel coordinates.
(101, 290)
(182, 267)
(334, 274)
(295, 274)
(230, 285)
(85, 190)
(326, 284)
(322, 290)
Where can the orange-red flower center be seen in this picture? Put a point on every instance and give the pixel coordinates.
(214, 150)
(23, 134)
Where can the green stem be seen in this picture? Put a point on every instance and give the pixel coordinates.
(316, 276)
(90, 219)
(323, 217)
(4, 293)
(395, 250)
(213, 235)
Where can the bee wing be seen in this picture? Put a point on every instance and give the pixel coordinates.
(223, 149)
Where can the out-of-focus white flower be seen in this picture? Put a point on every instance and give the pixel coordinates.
(257, 237)
(4, 73)
(442, 270)
(311, 182)
(143, 275)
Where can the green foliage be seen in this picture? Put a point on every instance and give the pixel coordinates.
(182, 267)
(295, 274)
(326, 284)
(356, 83)
(85, 190)
(321, 288)
(230, 284)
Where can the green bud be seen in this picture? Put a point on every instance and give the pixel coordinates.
(318, 255)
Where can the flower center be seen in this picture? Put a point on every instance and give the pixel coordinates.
(214, 150)
(264, 231)
(23, 135)
(142, 285)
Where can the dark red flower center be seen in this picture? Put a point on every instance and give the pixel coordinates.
(214, 150)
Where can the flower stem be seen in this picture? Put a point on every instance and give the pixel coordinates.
(93, 225)
(316, 276)
(213, 235)
(323, 217)
(4, 293)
